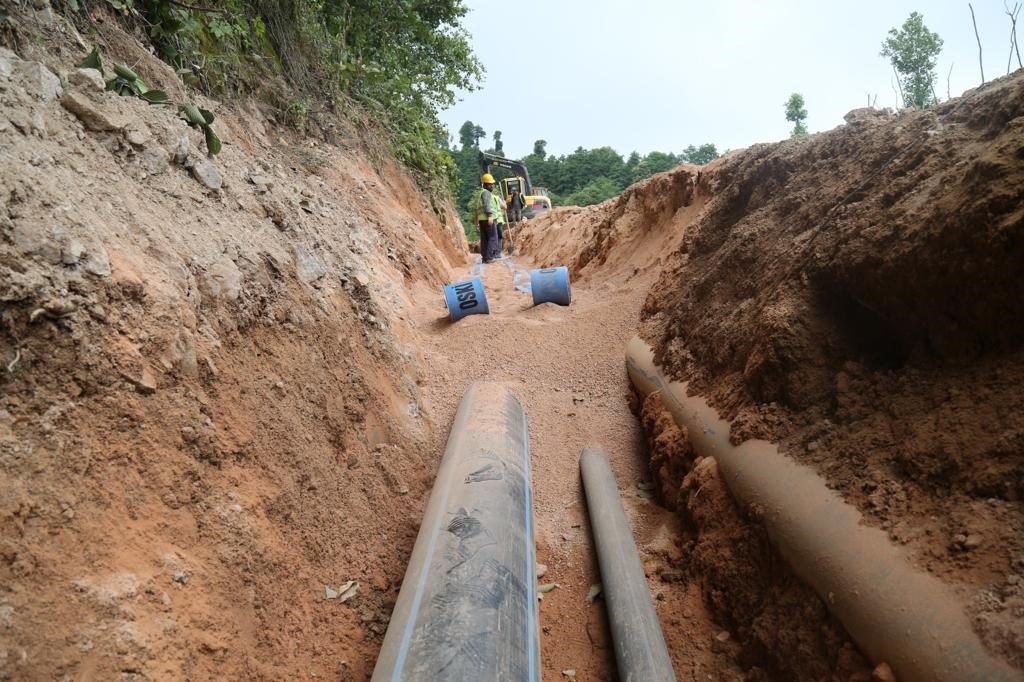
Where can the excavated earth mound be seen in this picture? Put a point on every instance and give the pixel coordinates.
(210, 409)
(855, 296)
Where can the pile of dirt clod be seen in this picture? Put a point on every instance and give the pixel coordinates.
(855, 296)
(210, 407)
(617, 240)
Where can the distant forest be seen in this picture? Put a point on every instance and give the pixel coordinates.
(582, 178)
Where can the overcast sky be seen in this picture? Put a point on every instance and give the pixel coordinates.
(662, 74)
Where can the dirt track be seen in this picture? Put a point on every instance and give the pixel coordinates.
(566, 366)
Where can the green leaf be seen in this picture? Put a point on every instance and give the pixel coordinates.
(207, 114)
(93, 60)
(547, 587)
(212, 141)
(125, 73)
(193, 115)
(155, 96)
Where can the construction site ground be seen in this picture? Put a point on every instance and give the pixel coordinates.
(227, 383)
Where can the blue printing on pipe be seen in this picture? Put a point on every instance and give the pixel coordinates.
(531, 624)
(466, 298)
(550, 285)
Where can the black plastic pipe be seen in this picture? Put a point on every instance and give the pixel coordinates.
(640, 650)
(467, 609)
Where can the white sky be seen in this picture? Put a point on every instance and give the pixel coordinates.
(661, 74)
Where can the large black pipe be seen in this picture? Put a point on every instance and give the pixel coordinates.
(640, 650)
(467, 609)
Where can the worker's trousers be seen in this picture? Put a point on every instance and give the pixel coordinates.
(490, 242)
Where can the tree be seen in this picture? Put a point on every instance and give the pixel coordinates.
(594, 192)
(466, 134)
(538, 148)
(655, 162)
(796, 113)
(499, 148)
(698, 156)
(912, 50)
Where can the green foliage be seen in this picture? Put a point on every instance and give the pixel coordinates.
(582, 178)
(295, 113)
(698, 156)
(216, 51)
(93, 60)
(125, 7)
(796, 112)
(202, 119)
(913, 50)
(402, 61)
(594, 192)
(127, 83)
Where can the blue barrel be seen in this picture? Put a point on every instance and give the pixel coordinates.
(550, 285)
(466, 298)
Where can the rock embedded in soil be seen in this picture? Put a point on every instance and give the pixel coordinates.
(262, 183)
(154, 160)
(144, 382)
(7, 61)
(207, 175)
(308, 265)
(38, 80)
(87, 79)
(138, 135)
(92, 115)
(72, 252)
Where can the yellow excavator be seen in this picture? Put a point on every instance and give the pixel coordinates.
(536, 198)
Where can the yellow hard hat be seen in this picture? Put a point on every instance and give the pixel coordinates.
(487, 179)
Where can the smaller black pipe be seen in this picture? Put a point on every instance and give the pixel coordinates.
(640, 650)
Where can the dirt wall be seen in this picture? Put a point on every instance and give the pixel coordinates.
(210, 407)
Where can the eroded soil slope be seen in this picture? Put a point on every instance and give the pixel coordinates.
(209, 407)
(856, 296)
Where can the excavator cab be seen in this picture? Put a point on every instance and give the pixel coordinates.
(510, 185)
(535, 198)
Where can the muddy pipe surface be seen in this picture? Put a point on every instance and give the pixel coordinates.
(895, 613)
(467, 609)
(640, 650)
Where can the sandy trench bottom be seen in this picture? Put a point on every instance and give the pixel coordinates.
(566, 366)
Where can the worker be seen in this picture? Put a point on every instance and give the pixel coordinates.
(516, 205)
(485, 206)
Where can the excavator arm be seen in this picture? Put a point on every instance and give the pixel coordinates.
(517, 167)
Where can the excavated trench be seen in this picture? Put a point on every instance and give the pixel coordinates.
(201, 432)
(566, 367)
